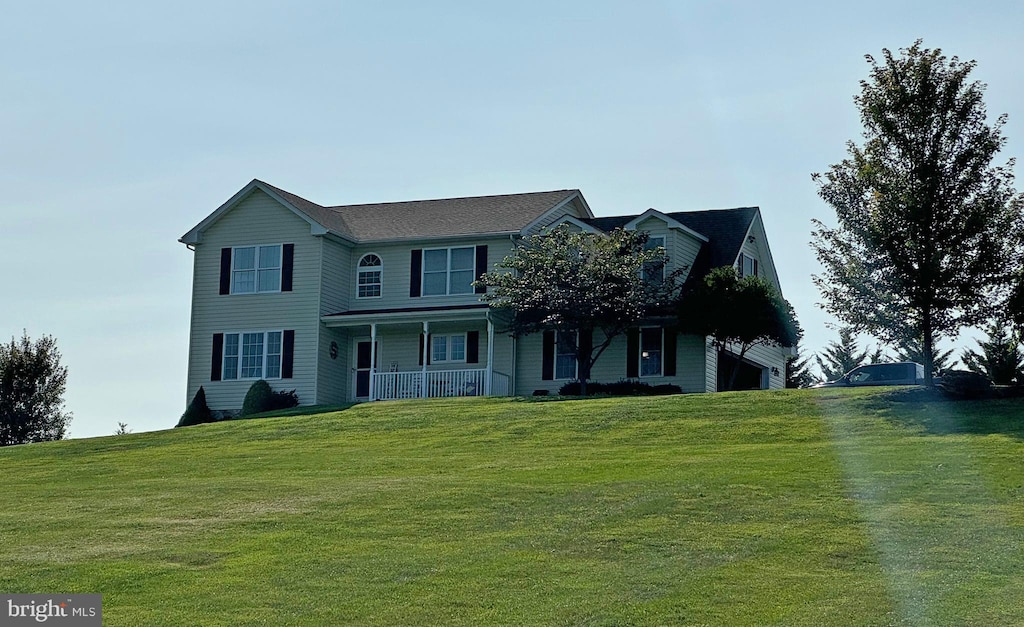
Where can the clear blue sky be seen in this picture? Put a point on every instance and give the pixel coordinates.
(123, 124)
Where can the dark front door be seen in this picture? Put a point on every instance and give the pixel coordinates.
(363, 356)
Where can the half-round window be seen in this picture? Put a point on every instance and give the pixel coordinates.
(371, 272)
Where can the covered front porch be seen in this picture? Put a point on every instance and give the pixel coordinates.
(426, 352)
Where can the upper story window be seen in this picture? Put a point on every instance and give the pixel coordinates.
(448, 271)
(370, 276)
(256, 269)
(654, 271)
(747, 265)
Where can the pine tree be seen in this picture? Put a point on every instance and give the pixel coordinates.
(840, 357)
(798, 370)
(1001, 358)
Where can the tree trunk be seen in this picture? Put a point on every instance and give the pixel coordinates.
(928, 348)
(584, 364)
(736, 369)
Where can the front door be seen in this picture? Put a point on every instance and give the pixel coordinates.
(363, 365)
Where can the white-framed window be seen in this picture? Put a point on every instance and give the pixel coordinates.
(651, 351)
(747, 265)
(370, 276)
(252, 355)
(565, 358)
(448, 270)
(448, 348)
(654, 271)
(256, 269)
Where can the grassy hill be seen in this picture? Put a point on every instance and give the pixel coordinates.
(797, 507)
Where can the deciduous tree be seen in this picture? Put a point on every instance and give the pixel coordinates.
(738, 314)
(589, 286)
(32, 383)
(929, 231)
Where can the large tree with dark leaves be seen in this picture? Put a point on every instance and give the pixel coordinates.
(738, 314)
(929, 231)
(590, 287)
(32, 385)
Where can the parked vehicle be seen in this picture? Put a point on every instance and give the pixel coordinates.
(899, 373)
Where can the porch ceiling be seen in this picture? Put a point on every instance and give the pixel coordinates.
(406, 316)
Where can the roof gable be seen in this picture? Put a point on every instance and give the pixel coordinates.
(287, 200)
(721, 230)
(409, 220)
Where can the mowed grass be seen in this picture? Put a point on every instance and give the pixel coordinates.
(837, 507)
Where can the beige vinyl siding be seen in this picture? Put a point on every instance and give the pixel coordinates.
(684, 251)
(680, 246)
(710, 366)
(257, 219)
(333, 375)
(337, 278)
(397, 259)
(572, 208)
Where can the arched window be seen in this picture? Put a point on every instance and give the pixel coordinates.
(371, 273)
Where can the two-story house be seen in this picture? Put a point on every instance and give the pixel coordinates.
(374, 302)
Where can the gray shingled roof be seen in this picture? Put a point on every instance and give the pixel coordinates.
(724, 228)
(413, 219)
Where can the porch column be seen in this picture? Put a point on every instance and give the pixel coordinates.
(426, 351)
(373, 361)
(490, 356)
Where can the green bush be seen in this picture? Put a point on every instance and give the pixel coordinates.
(261, 398)
(964, 384)
(283, 400)
(257, 399)
(197, 411)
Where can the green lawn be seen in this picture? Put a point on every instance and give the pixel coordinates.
(818, 507)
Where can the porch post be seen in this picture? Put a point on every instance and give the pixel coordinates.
(490, 356)
(423, 374)
(373, 361)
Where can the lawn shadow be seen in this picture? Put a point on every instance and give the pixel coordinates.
(935, 413)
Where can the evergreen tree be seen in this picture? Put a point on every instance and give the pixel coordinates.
(798, 370)
(1001, 358)
(840, 357)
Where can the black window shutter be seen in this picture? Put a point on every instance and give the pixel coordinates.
(670, 352)
(473, 347)
(755, 267)
(287, 354)
(421, 349)
(481, 267)
(548, 368)
(218, 354)
(287, 261)
(632, 353)
(586, 342)
(428, 348)
(415, 273)
(225, 271)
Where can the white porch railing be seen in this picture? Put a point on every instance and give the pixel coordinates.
(436, 383)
